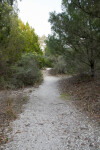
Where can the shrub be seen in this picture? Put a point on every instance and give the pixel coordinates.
(26, 71)
(60, 66)
(48, 62)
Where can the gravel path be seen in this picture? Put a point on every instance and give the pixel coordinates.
(51, 123)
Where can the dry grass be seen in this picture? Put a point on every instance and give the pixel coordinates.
(85, 93)
(11, 103)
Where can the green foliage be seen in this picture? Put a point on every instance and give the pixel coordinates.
(26, 71)
(11, 41)
(19, 47)
(48, 62)
(30, 38)
(54, 45)
(60, 65)
(90, 7)
(41, 61)
(65, 96)
(76, 35)
(9, 2)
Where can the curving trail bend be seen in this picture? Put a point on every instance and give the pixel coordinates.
(50, 123)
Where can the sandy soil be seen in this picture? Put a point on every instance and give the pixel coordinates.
(48, 122)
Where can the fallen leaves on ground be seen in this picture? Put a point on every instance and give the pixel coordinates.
(85, 93)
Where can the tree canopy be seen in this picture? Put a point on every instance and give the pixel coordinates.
(77, 30)
(16, 39)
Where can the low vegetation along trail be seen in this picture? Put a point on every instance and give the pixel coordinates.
(49, 122)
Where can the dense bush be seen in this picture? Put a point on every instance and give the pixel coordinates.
(48, 62)
(16, 38)
(60, 65)
(26, 71)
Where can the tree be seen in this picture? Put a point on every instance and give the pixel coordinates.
(31, 39)
(16, 42)
(20, 52)
(90, 7)
(54, 45)
(9, 2)
(80, 32)
(11, 40)
(15, 37)
(5, 18)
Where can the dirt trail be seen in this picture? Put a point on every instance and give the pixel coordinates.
(51, 123)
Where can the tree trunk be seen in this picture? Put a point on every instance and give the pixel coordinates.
(92, 68)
